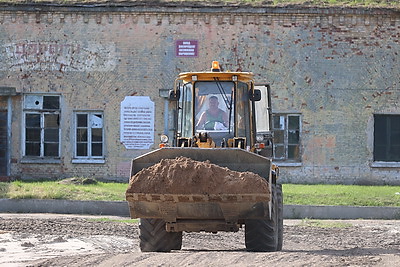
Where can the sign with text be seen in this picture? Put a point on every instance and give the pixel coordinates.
(137, 122)
(186, 48)
(58, 56)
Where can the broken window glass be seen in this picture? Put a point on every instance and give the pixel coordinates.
(51, 102)
(89, 135)
(42, 125)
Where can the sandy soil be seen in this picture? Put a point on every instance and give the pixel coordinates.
(187, 176)
(65, 240)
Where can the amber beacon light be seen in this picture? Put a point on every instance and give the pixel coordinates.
(215, 66)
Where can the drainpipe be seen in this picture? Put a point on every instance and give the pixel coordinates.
(9, 125)
(8, 92)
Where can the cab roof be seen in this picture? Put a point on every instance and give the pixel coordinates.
(211, 76)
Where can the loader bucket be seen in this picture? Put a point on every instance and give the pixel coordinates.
(235, 159)
(203, 212)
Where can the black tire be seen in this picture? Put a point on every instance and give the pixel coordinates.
(261, 235)
(280, 216)
(154, 237)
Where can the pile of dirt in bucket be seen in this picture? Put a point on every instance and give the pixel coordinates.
(187, 176)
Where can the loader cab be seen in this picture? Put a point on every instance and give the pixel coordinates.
(216, 105)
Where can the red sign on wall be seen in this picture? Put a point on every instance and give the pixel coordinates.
(186, 48)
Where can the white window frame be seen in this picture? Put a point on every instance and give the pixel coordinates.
(89, 158)
(28, 109)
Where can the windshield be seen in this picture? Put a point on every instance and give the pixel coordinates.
(214, 109)
(214, 106)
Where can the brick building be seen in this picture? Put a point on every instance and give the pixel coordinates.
(68, 72)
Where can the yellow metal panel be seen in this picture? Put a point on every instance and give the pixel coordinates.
(223, 76)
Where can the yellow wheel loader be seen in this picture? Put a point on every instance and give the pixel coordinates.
(223, 118)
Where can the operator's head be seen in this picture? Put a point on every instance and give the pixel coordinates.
(213, 101)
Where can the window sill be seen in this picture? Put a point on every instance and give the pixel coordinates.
(89, 161)
(41, 160)
(385, 164)
(288, 164)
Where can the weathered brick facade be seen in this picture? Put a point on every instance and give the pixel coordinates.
(335, 68)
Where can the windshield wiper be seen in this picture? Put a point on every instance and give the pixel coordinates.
(224, 95)
(228, 103)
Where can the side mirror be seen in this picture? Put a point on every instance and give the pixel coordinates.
(255, 95)
(174, 95)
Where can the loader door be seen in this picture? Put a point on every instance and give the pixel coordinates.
(185, 112)
(263, 109)
(263, 113)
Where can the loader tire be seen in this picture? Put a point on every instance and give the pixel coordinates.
(154, 237)
(280, 216)
(261, 235)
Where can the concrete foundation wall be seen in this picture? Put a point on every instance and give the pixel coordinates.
(334, 67)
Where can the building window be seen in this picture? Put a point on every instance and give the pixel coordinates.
(42, 126)
(89, 135)
(286, 129)
(387, 138)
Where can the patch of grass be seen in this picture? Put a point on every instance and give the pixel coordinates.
(113, 220)
(55, 190)
(324, 224)
(4, 187)
(336, 195)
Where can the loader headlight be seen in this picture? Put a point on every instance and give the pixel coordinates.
(260, 137)
(164, 138)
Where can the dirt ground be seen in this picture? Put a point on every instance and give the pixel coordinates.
(65, 240)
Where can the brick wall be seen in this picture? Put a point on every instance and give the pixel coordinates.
(335, 67)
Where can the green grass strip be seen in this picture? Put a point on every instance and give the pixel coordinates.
(54, 190)
(346, 195)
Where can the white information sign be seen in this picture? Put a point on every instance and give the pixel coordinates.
(137, 122)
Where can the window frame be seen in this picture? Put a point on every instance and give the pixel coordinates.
(285, 160)
(89, 158)
(383, 162)
(42, 112)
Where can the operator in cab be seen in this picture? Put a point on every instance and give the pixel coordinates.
(213, 118)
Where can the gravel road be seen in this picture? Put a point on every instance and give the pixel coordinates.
(65, 240)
